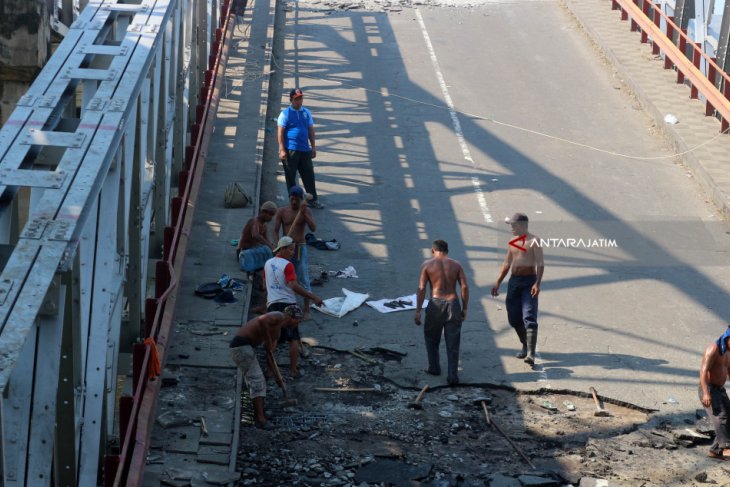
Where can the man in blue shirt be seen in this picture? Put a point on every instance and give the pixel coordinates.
(296, 145)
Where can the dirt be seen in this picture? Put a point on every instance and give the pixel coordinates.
(374, 438)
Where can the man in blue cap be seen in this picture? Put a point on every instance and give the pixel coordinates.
(713, 375)
(297, 145)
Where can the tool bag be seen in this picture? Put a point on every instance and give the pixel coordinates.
(235, 196)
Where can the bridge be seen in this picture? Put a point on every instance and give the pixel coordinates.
(101, 166)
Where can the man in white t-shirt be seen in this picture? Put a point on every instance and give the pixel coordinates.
(281, 290)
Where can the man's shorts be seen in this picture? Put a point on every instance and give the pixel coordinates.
(287, 334)
(300, 259)
(245, 358)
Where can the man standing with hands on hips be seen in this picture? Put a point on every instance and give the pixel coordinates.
(297, 146)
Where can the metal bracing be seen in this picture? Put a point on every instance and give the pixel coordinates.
(97, 143)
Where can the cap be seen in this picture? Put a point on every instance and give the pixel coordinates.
(296, 191)
(517, 217)
(283, 242)
(294, 311)
(269, 206)
(295, 93)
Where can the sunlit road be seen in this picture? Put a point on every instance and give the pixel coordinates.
(438, 123)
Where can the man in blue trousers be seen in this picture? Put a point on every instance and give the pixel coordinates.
(525, 260)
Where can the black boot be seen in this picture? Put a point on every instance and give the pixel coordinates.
(522, 334)
(531, 344)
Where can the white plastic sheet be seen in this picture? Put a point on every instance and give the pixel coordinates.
(340, 306)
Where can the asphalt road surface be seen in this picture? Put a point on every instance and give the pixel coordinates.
(436, 123)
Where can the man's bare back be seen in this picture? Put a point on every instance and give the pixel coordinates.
(443, 274)
(263, 329)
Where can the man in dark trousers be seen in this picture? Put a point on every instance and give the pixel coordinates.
(444, 314)
(297, 146)
(713, 375)
(264, 329)
(525, 260)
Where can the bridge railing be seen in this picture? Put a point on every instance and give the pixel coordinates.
(89, 160)
(137, 413)
(693, 65)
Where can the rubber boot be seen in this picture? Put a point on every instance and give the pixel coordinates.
(531, 344)
(522, 334)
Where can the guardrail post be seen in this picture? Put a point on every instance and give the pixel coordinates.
(614, 5)
(645, 9)
(693, 93)
(683, 49)
(670, 35)
(624, 14)
(150, 309)
(725, 124)
(162, 277)
(711, 75)
(111, 464)
(658, 22)
(138, 351)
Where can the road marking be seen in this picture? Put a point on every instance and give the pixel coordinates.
(542, 374)
(481, 198)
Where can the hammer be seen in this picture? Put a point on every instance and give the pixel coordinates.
(287, 401)
(417, 403)
(491, 422)
(599, 406)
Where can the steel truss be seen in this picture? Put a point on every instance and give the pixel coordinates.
(88, 161)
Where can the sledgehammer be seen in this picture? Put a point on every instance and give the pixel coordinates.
(417, 403)
(287, 401)
(600, 411)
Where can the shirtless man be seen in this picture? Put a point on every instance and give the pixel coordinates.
(443, 313)
(527, 266)
(264, 329)
(285, 217)
(255, 233)
(713, 375)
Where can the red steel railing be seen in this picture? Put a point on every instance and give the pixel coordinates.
(647, 17)
(137, 412)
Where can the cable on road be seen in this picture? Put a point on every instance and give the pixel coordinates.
(510, 125)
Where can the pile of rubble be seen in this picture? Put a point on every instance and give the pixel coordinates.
(337, 436)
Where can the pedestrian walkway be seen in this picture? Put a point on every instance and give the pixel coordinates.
(657, 90)
(195, 438)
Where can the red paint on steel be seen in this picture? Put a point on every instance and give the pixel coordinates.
(696, 62)
(150, 308)
(658, 23)
(614, 5)
(136, 440)
(683, 51)
(670, 35)
(162, 277)
(189, 153)
(182, 179)
(175, 206)
(111, 464)
(711, 75)
(624, 14)
(645, 9)
(138, 357)
(169, 232)
(125, 412)
(725, 119)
